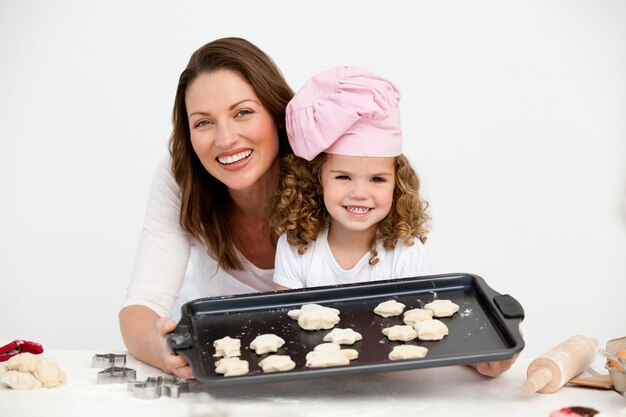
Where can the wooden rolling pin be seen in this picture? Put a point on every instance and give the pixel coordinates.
(553, 369)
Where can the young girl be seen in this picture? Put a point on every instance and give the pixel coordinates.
(348, 207)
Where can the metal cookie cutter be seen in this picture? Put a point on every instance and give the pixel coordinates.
(107, 360)
(115, 371)
(116, 375)
(153, 387)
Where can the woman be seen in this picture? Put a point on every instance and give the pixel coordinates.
(228, 135)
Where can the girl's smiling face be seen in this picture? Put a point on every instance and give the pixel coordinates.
(234, 136)
(358, 191)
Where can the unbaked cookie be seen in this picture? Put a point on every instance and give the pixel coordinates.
(315, 317)
(389, 308)
(277, 363)
(343, 336)
(329, 354)
(400, 332)
(232, 366)
(431, 329)
(442, 308)
(227, 347)
(407, 352)
(417, 314)
(266, 343)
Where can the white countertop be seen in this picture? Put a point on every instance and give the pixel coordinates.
(448, 391)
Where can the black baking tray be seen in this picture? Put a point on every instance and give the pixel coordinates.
(486, 327)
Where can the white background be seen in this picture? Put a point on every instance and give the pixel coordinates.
(513, 114)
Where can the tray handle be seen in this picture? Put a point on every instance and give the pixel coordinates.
(179, 339)
(509, 306)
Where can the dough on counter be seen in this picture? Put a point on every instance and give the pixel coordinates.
(24, 362)
(315, 317)
(389, 308)
(442, 308)
(266, 343)
(19, 380)
(343, 336)
(400, 332)
(49, 373)
(277, 363)
(412, 316)
(329, 354)
(431, 329)
(407, 352)
(227, 347)
(232, 366)
(22, 369)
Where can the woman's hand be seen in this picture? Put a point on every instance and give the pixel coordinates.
(494, 369)
(173, 364)
(144, 335)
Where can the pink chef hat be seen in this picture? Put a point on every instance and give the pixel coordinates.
(346, 111)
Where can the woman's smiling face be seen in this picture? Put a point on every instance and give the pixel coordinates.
(234, 136)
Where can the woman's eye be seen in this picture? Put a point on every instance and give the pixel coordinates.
(201, 123)
(243, 112)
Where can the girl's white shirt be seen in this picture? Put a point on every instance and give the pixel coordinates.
(171, 267)
(318, 267)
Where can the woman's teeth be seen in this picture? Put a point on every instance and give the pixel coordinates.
(227, 160)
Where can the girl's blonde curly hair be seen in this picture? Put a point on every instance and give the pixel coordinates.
(298, 209)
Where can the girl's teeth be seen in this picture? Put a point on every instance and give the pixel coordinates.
(358, 210)
(226, 160)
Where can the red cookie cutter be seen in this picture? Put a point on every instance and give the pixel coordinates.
(19, 346)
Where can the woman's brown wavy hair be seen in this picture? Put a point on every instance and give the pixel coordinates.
(299, 209)
(205, 202)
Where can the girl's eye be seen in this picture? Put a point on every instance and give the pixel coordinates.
(378, 179)
(342, 177)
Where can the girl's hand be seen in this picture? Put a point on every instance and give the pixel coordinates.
(173, 364)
